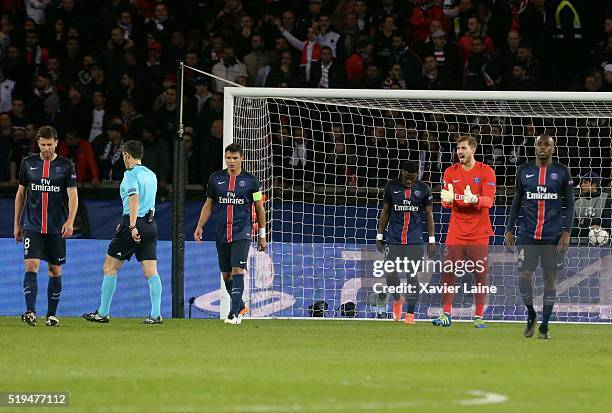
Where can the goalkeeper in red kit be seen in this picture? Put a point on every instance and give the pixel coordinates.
(469, 189)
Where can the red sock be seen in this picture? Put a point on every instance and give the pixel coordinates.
(448, 279)
(480, 298)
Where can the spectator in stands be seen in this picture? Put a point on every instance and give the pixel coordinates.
(75, 113)
(355, 65)
(301, 161)
(35, 57)
(479, 72)
(310, 50)
(161, 24)
(592, 82)
(35, 10)
(16, 69)
(534, 68)
(81, 153)
(229, 68)
(327, 37)
(593, 208)
(97, 117)
(70, 59)
(349, 36)
(326, 73)
(110, 161)
(384, 38)
(133, 121)
(409, 61)
(6, 92)
(192, 163)
(18, 113)
(45, 102)
(202, 94)
(310, 18)
(156, 154)
(287, 22)
(432, 77)
(423, 13)
(372, 77)
(283, 74)
(209, 151)
(520, 79)
(395, 77)
(462, 14)
(257, 58)
(474, 30)
(244, 36)
(165, 117)
(506, 56)
(446, 57)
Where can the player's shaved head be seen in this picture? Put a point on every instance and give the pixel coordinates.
(544, 148)
(546, 136)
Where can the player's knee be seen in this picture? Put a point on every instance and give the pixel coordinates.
(110, 266)
(525, 275)
(237, 271)
(149, 268)
(226, 275)
(32, 265)
(55, 270)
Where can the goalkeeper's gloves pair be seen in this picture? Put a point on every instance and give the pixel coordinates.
(448, 195)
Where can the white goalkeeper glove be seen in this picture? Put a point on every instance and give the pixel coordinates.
(447, 195)
(469, 197)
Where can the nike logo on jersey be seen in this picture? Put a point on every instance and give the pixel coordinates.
(242, 262)
(32, 168)
(529, 175)
(220, 183)
(119, 254)
(397, 192)
(456, 180)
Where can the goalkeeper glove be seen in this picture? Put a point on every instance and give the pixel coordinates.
(448, 196)
(469, 197)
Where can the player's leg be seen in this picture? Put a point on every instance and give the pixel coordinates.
(239, 257)
(478, 255)
(32, 253)
(549, 260)
(415, 257)
(55, 251)
(224, 258)
(393, 252)
(528, 258)
(452, 254)
(149, 268)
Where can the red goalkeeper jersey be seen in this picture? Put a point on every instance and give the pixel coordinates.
(470, 223)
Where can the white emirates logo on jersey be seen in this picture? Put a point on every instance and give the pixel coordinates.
(44, 186)
(542, 194)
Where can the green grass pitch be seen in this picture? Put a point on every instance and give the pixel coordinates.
(307, 366)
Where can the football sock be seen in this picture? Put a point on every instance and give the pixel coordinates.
(237, 290)
(228, 285)
(54, 292)
(448, 280)
(155, 291)
(480, 298)
(109, 284)
(30, 290)
(549, 301)
(531, 311)
(393, 280)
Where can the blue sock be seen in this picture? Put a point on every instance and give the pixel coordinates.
(237, 290)
(30, 290)
(155, 291)
(228, 287)
(54, 292)
(109, 284)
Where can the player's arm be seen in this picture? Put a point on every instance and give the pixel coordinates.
(19, 204)
(20, 199)
(431, 228)
(569, 212)
(211, 195)
(73, 202)
(514, 211)
(383, 221)
(447, 195)
(73, 206)
(260, 212)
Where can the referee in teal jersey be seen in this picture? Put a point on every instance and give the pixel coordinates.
(137, 234)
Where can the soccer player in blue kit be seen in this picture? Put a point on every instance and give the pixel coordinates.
(407, 205)
(137, 234)
(47, 191)
(544, 192)
(230, 197)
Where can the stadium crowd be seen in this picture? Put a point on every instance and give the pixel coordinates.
(103, 72)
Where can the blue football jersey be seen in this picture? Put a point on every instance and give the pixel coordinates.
(142, 181)
(46, 207)
(233, 201)
(547, 196)
(407, 211)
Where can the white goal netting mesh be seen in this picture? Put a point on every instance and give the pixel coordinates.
(324, 162)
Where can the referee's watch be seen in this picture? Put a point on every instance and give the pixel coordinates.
(131, 227)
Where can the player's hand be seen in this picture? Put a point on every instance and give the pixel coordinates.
(509, 241)
(18, 233)
(135, 235)
(380, 245)
(447, 195)
(262, 244)
(469, 197)
(67, 230)
(563, 242)
(432, 249)
(197, 234)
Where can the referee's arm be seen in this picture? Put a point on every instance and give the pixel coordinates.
(134, 201)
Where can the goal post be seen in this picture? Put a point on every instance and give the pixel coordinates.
(324, 155)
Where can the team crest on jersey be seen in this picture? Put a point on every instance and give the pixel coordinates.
(58, 169)
(417, 193)
(554, 176)
(242, 184)
(477, 180)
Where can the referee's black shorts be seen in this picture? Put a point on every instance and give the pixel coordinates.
(123, 245)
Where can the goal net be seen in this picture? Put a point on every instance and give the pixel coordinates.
(324, 156)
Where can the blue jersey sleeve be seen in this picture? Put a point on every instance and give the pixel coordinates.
(71, 176)
(428, 200)
(211, 191)
(387, 198)
(516, 202)
(130, 183)
(23, 176)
